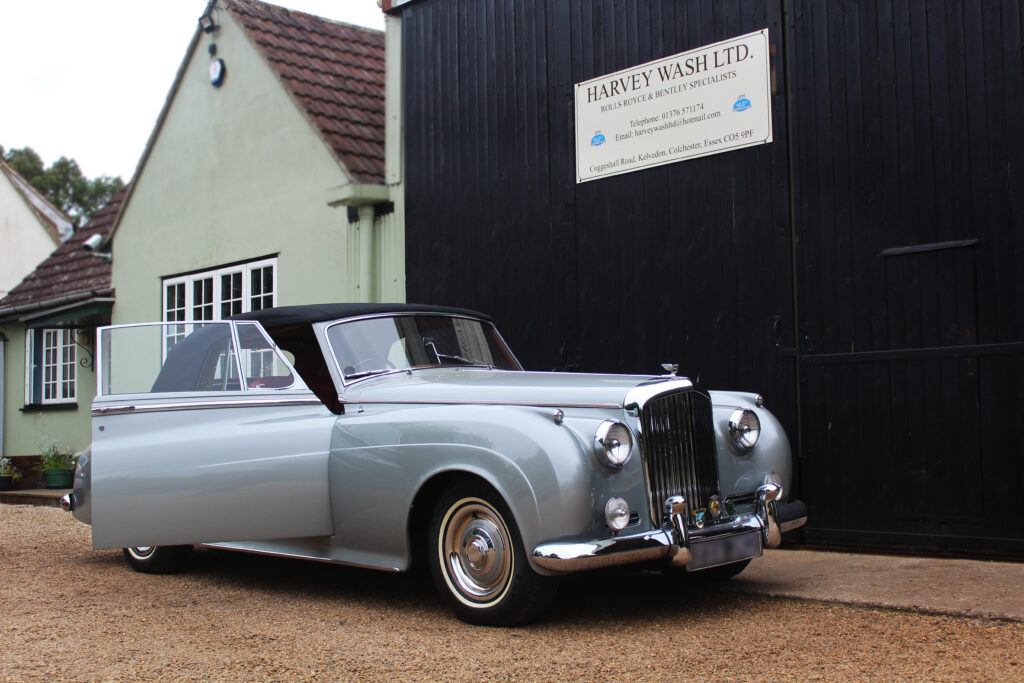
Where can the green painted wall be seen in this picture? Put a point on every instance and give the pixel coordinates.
(235, 173)
(25, 431)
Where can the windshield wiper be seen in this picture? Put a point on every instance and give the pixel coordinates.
(428, 343)
(366, 373)
(461, 359)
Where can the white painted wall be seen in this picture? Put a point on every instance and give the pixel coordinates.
(24, 240)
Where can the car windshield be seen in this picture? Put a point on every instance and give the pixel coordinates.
(376, 345)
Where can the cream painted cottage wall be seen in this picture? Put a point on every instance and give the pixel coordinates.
(24, 242)
(26, 431)
(233, 173)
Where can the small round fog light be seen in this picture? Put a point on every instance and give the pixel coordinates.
(616, 514)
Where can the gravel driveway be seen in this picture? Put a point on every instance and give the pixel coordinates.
(71, 613)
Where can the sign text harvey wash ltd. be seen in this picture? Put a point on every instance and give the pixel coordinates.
(713, 99)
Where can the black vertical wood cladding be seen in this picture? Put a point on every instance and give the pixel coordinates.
(601, 275)
(905, 132)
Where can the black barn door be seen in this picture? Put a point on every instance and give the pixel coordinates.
(908, 155)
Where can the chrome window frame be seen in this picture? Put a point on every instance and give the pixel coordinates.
(296, 385)
(327, 325)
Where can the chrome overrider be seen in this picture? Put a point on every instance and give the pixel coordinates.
(674, 540)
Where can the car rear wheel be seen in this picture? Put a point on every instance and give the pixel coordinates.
(157, 559)
(478, 561)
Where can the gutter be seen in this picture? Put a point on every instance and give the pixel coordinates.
(364, 196)
(16, 311)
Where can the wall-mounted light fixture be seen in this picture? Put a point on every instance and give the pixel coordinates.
(206, 22)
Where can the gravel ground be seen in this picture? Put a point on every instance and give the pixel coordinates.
(72, 613)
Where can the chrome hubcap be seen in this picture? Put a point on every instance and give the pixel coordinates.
(477, 551)
(142, 552)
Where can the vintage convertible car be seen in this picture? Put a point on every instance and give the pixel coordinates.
(380, 435)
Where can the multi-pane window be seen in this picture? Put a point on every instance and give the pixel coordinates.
(202, 299)
(174, 310)
(261, 288)
(231, 294)
(52, 364)
(217, 294)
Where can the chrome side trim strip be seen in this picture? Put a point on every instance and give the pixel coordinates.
(313, 558)
(99, 411)
(526, 404)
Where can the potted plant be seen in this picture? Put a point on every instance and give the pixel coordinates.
(9, 474)
(57, 465)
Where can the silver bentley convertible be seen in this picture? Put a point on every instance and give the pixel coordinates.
(385, 435)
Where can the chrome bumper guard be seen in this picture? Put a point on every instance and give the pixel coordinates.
(680, 545)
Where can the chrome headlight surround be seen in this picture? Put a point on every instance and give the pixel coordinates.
(744, 428)
(613, 444)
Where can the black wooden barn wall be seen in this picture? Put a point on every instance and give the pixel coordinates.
(860, 270)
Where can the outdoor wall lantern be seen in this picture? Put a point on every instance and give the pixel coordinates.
(206, 22)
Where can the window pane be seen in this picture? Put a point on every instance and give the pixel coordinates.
(58, 360)
(263, 366)
(230, 294)
(202, 299)
(375, 345)
(261, 288)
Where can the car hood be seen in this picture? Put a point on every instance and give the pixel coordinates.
(480, 385)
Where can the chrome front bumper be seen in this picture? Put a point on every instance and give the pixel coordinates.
(677, 543)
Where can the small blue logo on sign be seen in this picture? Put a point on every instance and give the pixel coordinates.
(741, 104)
(597, 140)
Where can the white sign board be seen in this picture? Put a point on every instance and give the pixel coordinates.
(714, 99)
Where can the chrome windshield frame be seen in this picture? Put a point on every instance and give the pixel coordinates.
(324, 327)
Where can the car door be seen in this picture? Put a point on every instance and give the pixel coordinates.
(225, 444)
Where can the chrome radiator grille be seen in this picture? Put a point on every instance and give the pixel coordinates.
(678, 444)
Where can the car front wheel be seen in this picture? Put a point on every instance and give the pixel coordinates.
(157, 559)
(478, 561)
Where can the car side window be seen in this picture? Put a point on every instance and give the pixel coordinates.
(264, 367)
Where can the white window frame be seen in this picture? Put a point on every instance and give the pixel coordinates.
(65, 363)
(246, 270)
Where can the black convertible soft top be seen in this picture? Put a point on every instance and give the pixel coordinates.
(282, 316)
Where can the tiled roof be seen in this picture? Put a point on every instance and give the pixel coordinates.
(70, 270)
(334, 72)
(52, 219)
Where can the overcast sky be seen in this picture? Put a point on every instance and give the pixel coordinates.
(86, 79)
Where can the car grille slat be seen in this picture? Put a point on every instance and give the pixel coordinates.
(678, 446)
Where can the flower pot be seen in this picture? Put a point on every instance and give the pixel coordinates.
(6, 482)
(59, 479)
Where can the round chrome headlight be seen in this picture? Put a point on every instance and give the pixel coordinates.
(613, 443)
(744, 428)
(616, 514)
